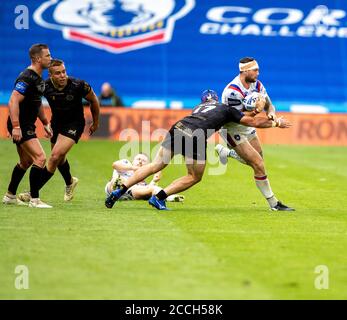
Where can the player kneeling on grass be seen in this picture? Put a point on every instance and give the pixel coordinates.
(188, 137)
(124, 169)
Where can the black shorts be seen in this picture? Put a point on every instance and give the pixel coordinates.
(73, 131)
(191, 143)
(28, 132)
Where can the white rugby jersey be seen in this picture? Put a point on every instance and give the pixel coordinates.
(125, 175)
(236, 90)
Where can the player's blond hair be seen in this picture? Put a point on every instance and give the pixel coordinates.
(56, 63)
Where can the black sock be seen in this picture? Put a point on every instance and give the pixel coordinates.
(45, 176)
(64, 169)
(17, 176)
(123, 188)
(161, 195)
(35, 180)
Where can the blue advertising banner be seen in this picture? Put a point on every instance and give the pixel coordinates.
(165, 53)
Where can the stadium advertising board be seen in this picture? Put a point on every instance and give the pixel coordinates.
(130, 124)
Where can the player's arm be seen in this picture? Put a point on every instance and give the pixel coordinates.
(261, 122)
(13, 105)
(270, 109)
(94, 109)
(45, 122)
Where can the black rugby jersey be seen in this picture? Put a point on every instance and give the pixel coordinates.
(66, 104)
(212, 116)
(31, 86)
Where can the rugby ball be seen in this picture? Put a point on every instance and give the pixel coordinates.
(249, 102)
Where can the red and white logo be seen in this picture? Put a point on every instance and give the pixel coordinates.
(114, 25)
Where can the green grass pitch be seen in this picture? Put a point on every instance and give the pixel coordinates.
(222, 243)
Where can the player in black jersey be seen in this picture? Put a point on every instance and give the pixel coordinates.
(188, 137)
(65, 96)
(24, 108)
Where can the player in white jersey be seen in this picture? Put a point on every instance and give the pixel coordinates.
(124, 169)
(243, 143)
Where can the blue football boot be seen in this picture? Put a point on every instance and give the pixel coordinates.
(113, 197)
(159, 204)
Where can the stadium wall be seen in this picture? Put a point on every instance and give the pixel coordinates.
(150, 124)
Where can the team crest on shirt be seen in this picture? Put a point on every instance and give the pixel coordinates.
(114, 25)
(41, 87)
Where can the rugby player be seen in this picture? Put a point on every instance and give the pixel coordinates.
(242, 141)
(24, 108)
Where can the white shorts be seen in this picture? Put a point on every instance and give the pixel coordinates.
(233, 137)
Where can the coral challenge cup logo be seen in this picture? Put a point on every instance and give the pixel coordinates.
(114, 25)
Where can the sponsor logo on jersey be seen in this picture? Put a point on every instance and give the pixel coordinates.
(21, 87)
(237, 137)
(72, 132)
(114, 25)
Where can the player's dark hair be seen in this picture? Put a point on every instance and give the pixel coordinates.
(36, 49)
(246, 59)
(56, 63)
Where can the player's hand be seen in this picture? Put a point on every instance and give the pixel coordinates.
(93, 128)
(272, 116)
(283, 123)
(48, 130)
(16, 134)
(260, 104)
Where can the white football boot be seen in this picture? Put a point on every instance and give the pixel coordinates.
(175, 198)
(12, 200)
(37, 203)
(70, 189)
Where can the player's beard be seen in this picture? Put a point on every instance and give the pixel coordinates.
(250, 80)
